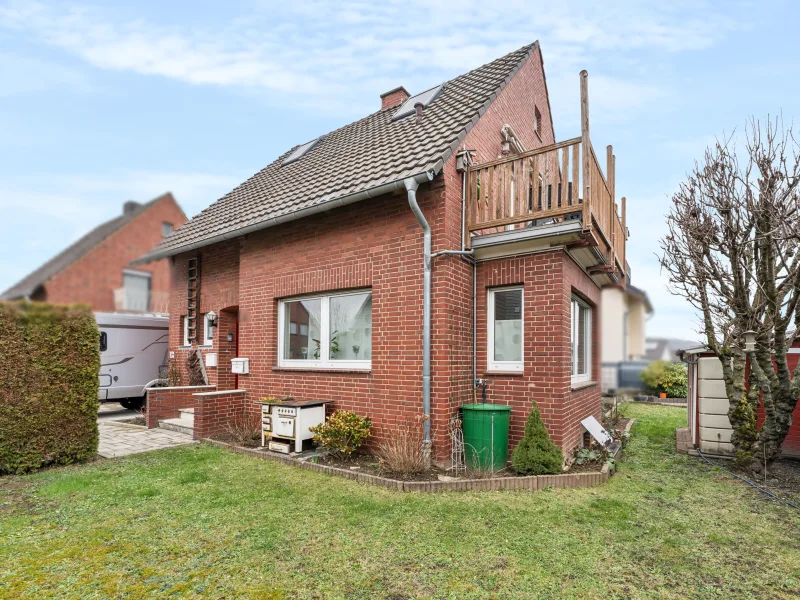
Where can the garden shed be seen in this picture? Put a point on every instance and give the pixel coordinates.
(709, 427)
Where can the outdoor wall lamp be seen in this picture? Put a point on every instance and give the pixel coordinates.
(212, 318)
(749, 340)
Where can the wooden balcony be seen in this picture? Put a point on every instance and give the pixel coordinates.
(557, 191)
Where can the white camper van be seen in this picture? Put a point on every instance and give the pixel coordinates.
(133, 349)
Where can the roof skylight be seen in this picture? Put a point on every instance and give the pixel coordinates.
(425, 98)
(300, 151)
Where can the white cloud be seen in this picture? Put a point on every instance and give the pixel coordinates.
(337, 55)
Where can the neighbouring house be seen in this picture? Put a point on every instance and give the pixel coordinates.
(387, 265)
(626, 310)
(708, 425)
(665, 348)
(96, 270)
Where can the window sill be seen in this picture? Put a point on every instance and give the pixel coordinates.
(504, 373)
(581, 385)
(324, 370)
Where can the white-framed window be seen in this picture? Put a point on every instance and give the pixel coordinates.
(326, 331)
(206, 335)
(167, 229)
(136, 290)
(505, 320)
(581, 325)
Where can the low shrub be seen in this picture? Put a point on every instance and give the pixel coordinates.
(343, 433)
(400, 452)
(48, 394)
(245, 428)
(667, 377)
(536, 454)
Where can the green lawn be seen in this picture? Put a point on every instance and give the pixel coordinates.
(202, 522)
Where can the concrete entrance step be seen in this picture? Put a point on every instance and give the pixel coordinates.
(186, 412)
(182, 424)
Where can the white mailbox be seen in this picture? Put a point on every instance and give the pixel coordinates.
(211, 359)
(240, 366)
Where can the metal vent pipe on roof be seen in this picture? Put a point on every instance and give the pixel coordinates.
(412, 186)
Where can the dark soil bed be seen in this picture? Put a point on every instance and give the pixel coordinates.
(783, 477)
(238, 440)
(366, 463)
(135, 421)
(587, 467)
(369, 464)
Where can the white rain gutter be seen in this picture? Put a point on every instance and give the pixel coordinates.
(380, 190)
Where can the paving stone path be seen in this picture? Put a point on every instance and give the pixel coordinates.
(122, 439)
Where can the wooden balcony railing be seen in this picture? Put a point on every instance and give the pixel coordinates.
(555, 183)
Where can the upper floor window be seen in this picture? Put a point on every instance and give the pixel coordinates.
(537, 121)
(167, 229)
(505, 329)
(136, 290)
(326, 331)
(581, 340)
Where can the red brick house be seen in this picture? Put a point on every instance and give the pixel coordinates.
(323, 276)
(96, 270)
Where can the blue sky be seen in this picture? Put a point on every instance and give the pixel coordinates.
(104, 102)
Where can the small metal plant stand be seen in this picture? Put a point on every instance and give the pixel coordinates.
(457, 465)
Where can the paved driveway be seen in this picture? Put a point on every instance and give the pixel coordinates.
(121, 439)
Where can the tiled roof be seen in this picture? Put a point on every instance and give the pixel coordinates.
(61, 261)
(355, 158)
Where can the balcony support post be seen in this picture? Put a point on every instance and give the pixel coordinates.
(586, 150)
(612, 209)
(625, 237)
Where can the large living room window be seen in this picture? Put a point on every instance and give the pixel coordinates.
(581, 341)
(331, 331)
(505, 329)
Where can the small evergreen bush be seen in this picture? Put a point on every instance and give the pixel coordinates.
(536, 454)
(343, 433)
(662, 376)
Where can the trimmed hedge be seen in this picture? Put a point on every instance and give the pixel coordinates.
(50, 357)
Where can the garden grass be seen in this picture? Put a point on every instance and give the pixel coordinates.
(199, 521)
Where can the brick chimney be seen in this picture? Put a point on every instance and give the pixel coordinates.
(394, 97)
(130, 207)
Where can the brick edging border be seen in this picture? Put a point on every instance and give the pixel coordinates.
(531, 482)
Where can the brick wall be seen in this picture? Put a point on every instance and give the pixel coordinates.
(219, 292)
(549, 280)
(93, 278)
(215, 412)
(791, 445)
(164, 403)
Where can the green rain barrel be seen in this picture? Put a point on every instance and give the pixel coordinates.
(485, 436)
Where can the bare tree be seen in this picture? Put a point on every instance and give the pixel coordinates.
(732, 252)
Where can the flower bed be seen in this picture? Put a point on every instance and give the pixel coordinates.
(487, 482)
